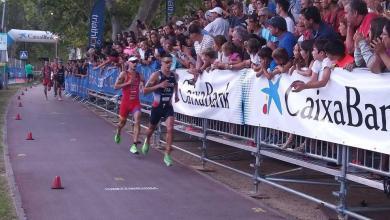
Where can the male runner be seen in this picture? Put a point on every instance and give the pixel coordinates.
(131, 82)
(60, 79)
(46, 74)
(54, 69)
(163, 84)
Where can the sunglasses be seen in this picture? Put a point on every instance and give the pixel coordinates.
(134, 61)
(167, 62)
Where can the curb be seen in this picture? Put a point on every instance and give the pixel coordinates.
(15, 194)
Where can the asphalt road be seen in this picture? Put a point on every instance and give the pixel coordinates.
(103, 180)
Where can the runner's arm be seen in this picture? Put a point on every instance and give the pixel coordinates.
(120, 82)
(153, 85)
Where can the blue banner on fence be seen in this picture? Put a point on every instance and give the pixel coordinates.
(96, 29)
(103, 81)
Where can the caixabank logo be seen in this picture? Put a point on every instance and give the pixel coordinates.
(348, 108)
(272, 96)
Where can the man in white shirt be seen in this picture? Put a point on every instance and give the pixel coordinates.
(219, 25)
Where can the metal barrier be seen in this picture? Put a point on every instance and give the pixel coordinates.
(301, 151)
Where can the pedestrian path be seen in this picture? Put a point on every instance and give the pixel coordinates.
(103, 180)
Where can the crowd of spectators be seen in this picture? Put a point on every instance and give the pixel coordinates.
(272, 37)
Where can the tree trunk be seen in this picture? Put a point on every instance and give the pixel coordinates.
(115, 23)
(146, 11)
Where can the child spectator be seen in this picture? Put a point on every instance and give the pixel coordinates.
(265, 54)
(321, 69)
(335, 51)
(208, 57)
(307, 56)
(282, 61)
(219, 40)
(298, 59)
(229, 51)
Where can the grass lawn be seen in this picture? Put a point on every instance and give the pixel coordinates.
(7, 210)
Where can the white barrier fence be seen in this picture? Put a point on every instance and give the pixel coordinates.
(352, 109)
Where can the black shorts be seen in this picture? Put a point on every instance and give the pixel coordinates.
(30, 76)
(60, 83)
(161, 112)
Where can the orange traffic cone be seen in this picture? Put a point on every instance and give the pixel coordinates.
(57, 183)
(20, 104)
(18, 117)
(29, 136)
(19, 97)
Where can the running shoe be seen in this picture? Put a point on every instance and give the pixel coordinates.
(168, 159)
(117, 138)
(133, 149)
(145, 148)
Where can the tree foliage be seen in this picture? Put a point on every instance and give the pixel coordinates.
(70, 20)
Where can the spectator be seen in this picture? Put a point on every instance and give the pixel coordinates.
(238, 18)
(230, 51)
(201, 42)
(155, 44)
(313, 22)
(264, 14)
(219, 26)
(146, 54)
(286, 40)
(282, 9)
(252, 47)
(265, 54)
(218, 42)
(321, 69)
(239, 37)
(131, 49)
(252, 7)
(208, 58)
(332, 13)
(253, 25)
(298, 61)
(359, 20)
(282, 61)
(343, 29)
(335, 51)
(364, 54)
(307, 56)
(382, 46)
(306, 4)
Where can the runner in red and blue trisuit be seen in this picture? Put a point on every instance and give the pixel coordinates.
(163, 84)
(131, 82)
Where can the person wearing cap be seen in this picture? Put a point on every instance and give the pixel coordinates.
(278, 27)
(219, 25)
(263, 15)
(163, 85)
(131, 82)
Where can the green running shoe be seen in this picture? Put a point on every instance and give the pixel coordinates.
(145, 148)
(133, 149)
(117, 138)
(168, 160)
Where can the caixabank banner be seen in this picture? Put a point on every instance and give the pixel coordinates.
(352, 109)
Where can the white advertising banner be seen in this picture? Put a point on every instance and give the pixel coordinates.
(32, 36)
(216, 95)
(352, 109)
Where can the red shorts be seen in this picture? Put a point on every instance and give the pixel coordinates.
(129, 107)
(47, 82)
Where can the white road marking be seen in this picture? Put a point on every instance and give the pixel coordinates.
(22, 155)
(137, 188)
